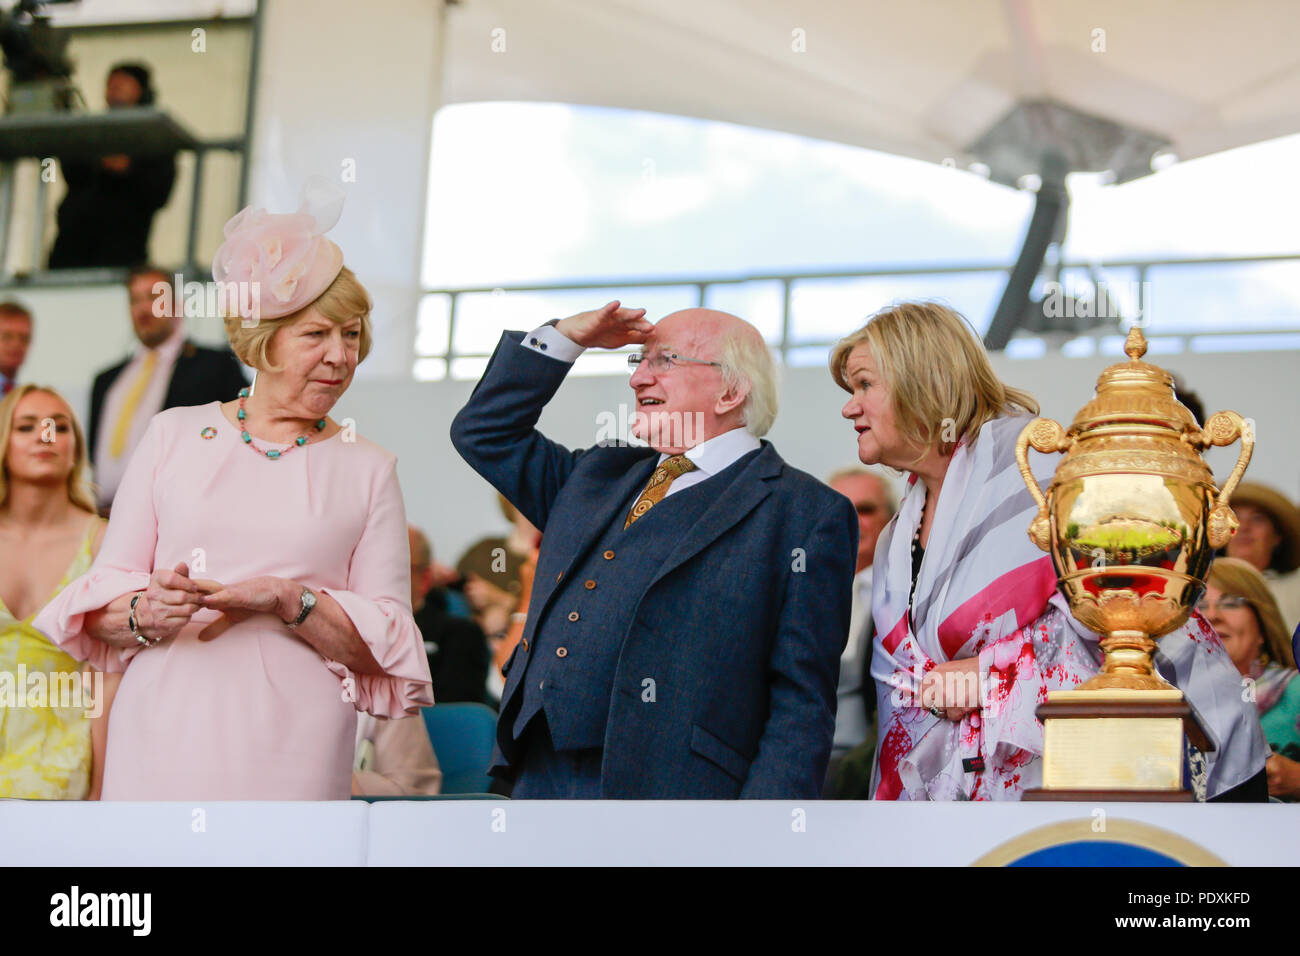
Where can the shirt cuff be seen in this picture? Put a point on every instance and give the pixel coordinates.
(551, 342)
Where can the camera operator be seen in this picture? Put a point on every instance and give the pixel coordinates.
(105, 218)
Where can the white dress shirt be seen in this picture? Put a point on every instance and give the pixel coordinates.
(851, 725)
(712, 456)
(709, 457)
(109, 470)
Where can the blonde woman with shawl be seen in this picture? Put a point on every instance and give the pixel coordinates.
(971, 633)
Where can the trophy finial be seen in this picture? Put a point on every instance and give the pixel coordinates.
(1135, 346)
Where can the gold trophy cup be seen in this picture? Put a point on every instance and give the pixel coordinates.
(1131, 520)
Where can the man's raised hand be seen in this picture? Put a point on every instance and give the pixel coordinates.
(610, 327)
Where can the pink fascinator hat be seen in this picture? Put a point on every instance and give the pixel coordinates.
(282, 262)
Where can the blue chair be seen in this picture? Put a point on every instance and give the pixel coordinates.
(462, 737)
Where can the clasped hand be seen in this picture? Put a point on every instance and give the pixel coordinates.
(173, 597)
(950, 686)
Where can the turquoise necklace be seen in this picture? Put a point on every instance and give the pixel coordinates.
(272, 453)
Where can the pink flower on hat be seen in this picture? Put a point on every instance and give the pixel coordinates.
(282, 260)
(271, 253)
(286, 283)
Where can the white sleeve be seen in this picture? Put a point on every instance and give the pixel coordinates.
(553, 343)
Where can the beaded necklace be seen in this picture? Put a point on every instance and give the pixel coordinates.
(918, 555)
(272, 453)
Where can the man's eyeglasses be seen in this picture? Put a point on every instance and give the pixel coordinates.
(1226, 602)
(663, 361)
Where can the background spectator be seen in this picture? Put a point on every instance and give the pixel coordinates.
(1192, 401)
(106, 215)
(1268, 537)
(491, 569)
(848, 776)
(15, 338)
(166, 370)
(49, 535)
(394, 758)
(457, 650)
(1239, 604)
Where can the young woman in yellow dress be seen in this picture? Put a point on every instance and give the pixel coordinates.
(50, 746)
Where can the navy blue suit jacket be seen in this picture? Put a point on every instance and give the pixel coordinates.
(741, 628)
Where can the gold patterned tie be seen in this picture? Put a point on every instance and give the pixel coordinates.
(131, 402)
(673, 467)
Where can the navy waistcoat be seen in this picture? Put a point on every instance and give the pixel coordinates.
(570, 672)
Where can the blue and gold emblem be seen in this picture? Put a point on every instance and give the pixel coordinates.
(1115, 843)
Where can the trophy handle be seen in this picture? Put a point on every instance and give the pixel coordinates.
(1223, 428)
(1046, 436)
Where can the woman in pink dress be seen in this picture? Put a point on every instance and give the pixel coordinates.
(253, 584)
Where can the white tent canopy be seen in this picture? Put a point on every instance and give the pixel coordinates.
(926, 78)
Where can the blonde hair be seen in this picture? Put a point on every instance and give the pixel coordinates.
(746, 360)
(342, 301)
(80, 490)
(937, 372)
(1241, 579)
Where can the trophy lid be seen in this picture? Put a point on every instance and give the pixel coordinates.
(1135, 392)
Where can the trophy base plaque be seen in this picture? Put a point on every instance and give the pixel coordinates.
(1116, 745)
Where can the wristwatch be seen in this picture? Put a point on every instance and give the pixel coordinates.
(308, 600)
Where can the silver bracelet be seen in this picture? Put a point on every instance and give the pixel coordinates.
(135, 628)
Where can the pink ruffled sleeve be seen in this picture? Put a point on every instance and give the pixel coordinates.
(123, 565)
(378, 601)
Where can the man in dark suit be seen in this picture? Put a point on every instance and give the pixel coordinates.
(166, 370)
(691, 599)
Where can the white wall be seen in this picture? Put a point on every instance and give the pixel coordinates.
(349, 88)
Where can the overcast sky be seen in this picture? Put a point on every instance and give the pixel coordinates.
(544, 192)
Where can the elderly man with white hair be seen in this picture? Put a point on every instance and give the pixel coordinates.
(691, 598)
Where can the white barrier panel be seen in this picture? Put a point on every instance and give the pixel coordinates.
(71, 833)
(821, 833)
(502, 833)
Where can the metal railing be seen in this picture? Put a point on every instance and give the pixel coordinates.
(786, 342)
